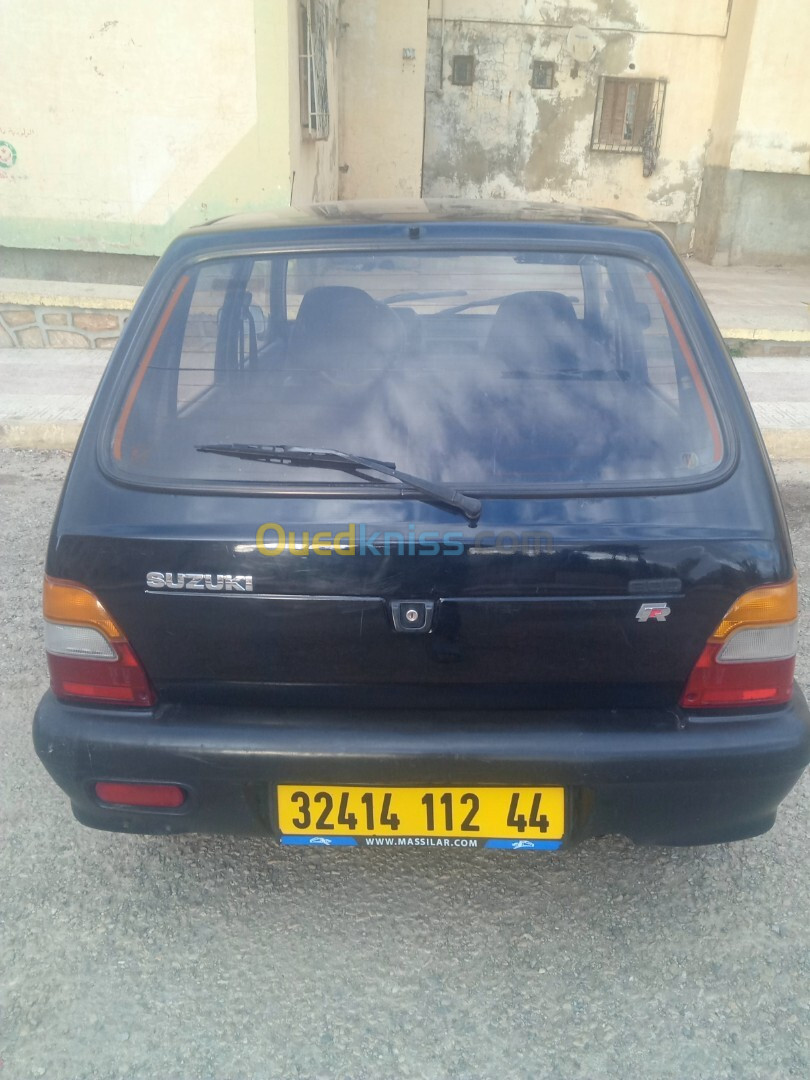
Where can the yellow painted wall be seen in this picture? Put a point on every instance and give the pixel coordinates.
(313, 162)
(773, 126)
(124, 121)
(382, 97)
(730, 85)
(131, 120)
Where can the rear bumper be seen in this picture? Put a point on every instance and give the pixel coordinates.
(652, 776)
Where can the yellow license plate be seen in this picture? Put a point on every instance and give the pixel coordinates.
(514, 818)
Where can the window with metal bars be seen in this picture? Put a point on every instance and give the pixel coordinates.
(312, 34)
(542, 75)
(628, 117)
(463, 72)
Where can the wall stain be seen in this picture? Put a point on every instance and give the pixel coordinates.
(500, 137)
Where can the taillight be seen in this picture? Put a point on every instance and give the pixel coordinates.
(88, 655)
(750, 657)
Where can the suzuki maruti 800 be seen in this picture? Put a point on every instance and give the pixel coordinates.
(444, 525)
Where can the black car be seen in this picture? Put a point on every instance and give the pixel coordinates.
(435, 524)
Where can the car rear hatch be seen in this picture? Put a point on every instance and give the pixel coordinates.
(621, 516)
(591, 621)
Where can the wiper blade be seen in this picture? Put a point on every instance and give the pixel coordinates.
(309, 456)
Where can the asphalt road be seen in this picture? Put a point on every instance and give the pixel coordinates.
(220, 958)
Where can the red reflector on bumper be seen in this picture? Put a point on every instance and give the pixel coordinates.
(155, 796)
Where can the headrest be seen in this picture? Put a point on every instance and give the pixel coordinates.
(338, 324)
(535, 329)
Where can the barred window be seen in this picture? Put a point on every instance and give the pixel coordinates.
(463, 70)
(542, 75)
(312, 34)
(628, 117)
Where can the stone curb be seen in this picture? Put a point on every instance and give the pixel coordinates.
(758, 342)
(787, 445)
(746, 334)
(39, 435)
(56, 300)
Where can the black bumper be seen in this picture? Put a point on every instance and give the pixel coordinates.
(655, 777)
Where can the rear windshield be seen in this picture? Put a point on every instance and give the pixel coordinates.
(478, 369)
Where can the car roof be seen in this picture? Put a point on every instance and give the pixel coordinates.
(415, 211)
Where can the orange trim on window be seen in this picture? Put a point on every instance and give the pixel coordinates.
(689, 357)
(121, 426)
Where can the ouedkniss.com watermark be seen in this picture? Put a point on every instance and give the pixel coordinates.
(358, 539)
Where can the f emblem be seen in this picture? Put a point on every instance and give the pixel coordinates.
(658, 612)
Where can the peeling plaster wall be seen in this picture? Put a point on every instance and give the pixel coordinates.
(500, 137)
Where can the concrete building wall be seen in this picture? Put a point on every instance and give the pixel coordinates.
(773, 126)
(129, 121)
(735, 139)
(501, 137)
(124, 121)
(755, 197)
(313, 163)
(382, 97)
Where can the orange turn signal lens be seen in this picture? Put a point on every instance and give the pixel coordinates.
(70, 604)
(766, 606)
(88, 655)
(750, 657)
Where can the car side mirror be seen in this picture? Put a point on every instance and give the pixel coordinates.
(259, 323)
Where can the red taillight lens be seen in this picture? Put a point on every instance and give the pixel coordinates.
(122, 681)
(153, 796)
(88, 655)
(758, 682)
(750, 657)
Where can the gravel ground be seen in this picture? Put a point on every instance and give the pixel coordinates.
(183, 958)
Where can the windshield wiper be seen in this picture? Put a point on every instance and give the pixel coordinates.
(315, 457)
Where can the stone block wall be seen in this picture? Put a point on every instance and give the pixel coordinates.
(41, 327)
